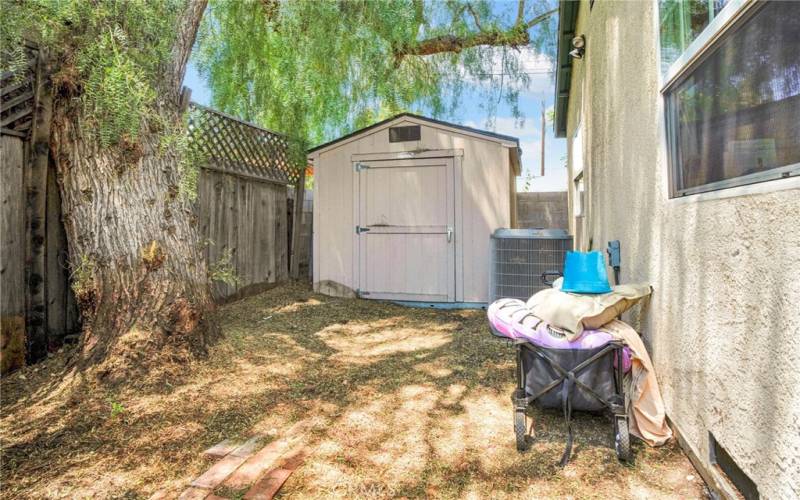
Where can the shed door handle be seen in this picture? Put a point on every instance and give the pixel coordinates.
(449, 234)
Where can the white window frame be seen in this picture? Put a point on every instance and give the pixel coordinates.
(779, 178)
(579, 203)
(576, 151)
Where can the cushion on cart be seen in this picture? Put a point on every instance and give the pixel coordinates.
(574, 312)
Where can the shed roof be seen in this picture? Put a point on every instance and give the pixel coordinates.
(489, 135)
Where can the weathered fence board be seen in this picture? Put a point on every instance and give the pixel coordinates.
(301, 246)
(12, 254)
(245, 219)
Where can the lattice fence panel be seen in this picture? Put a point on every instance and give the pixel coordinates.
(232, 145)
(18, 94)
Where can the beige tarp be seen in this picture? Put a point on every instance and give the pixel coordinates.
(647, 413)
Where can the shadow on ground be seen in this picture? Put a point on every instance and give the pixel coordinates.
(408, 402)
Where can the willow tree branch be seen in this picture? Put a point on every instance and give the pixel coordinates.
(475, 16)
(419, 13)
(541, 17)
(515, 36)
(187, 26)
(453, 43)
(520, 11)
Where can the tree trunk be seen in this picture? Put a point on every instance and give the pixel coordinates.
(138, 270)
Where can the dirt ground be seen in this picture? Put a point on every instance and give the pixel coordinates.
(407, 403)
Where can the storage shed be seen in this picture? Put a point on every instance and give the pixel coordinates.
(404, 209)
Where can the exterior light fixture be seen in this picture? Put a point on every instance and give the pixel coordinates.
(578, 44)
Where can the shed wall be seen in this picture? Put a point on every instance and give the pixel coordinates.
(723, 323)
(485, 206)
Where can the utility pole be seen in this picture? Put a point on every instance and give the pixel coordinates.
(544, 131)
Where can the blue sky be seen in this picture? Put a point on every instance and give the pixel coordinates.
(471, 113)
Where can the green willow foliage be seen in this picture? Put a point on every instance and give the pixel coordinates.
(110, 54)
(318, 68)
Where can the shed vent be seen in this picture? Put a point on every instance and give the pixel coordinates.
(405, 133)
(520, 256)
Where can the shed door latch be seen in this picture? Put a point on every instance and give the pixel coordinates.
(360, 229)
(361, 166)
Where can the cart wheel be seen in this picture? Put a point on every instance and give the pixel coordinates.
(622, 439)
(520, 430)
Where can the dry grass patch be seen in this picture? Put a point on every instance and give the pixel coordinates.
(408, 402)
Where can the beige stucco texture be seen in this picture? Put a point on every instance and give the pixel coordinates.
(723, 325)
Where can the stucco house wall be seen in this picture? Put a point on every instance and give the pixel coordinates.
(723, 326)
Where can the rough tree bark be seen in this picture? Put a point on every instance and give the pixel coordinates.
(137, 268)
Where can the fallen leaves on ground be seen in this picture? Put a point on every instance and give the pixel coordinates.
(409, 402)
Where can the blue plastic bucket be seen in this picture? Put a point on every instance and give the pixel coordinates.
(585, 272)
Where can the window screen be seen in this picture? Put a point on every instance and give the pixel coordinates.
(406, 133)
(732, 119)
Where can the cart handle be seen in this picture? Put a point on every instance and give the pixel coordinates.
(548, 282)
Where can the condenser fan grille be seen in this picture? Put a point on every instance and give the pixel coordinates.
(520, 256)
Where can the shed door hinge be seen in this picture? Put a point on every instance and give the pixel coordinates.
(361, 166)
(360, 229)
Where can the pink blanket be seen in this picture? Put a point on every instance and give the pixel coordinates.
(511, 318)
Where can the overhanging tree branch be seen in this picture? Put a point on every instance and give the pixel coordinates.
(188, 24)
(475, 17)
(515, 36)
(541, 17)
(520, 11)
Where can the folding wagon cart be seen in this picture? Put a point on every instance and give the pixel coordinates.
(572, 379)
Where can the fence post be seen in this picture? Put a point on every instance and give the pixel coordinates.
(297, 224)
(36, 215)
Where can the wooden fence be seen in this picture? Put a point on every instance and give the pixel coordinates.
(242, 211)
(242, 199)
(37, 307)
(301, 252)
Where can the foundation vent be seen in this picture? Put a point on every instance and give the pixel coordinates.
(520, 256)
(725, 463)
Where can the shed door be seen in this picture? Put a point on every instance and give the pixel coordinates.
(405, 233)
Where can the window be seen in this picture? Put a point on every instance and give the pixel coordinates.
(403, 134)
(732, 115)
(681, 22)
